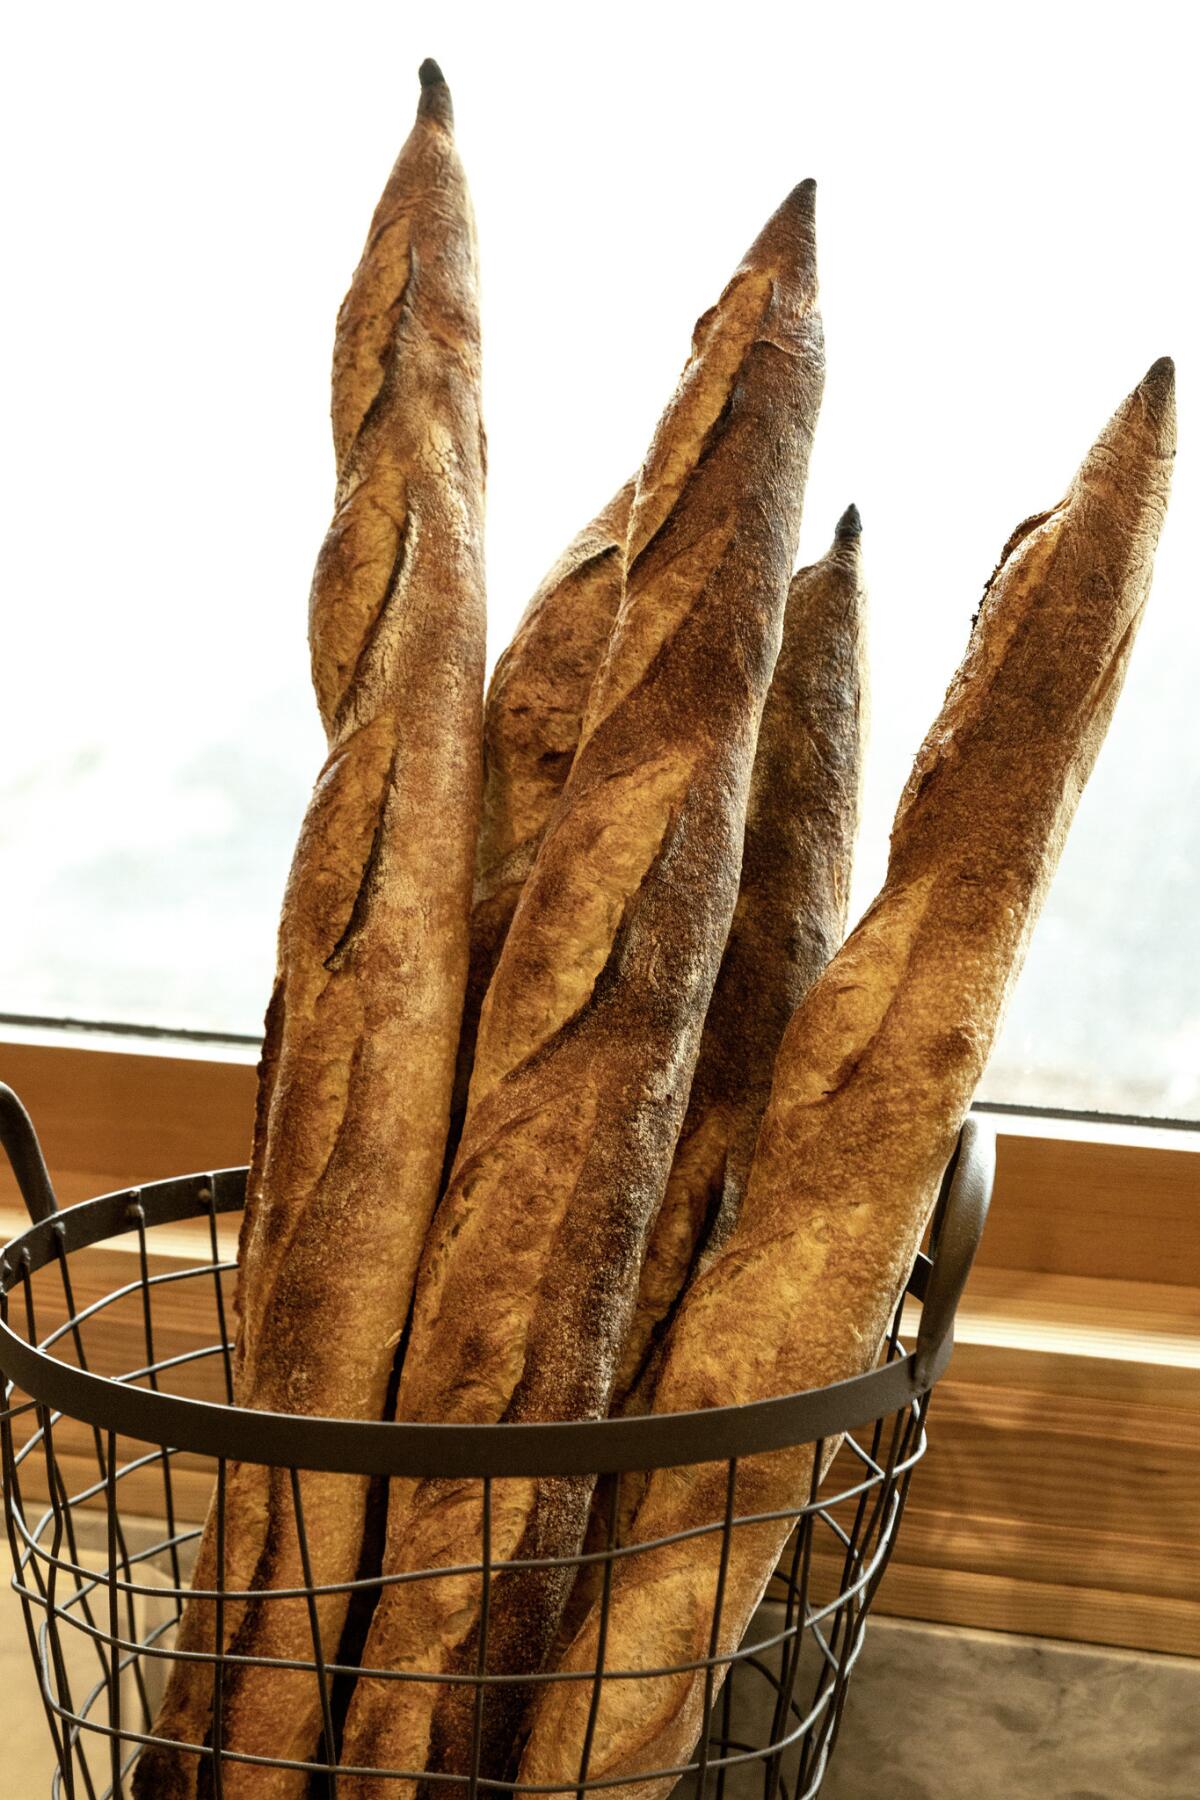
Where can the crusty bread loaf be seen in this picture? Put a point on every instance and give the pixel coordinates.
(801, 821)
(590, 1028)
(790, 918)
(364, 1023)
(532, 718)
(873, 1079)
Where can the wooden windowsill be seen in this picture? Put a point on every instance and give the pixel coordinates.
(1058, 1495)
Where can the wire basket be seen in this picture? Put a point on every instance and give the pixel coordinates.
(117, 1419)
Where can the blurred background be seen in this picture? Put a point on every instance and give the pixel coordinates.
(1005, 209)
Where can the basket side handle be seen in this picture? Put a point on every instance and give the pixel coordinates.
(958, 1227)
(25, 1154)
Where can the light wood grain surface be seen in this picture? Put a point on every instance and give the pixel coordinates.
(1059, 1495)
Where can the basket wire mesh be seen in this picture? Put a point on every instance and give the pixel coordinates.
(110, 1434)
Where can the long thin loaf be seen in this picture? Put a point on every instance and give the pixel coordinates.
(590, 1029)
(532, 718)
(363, 1026)
(790, 918)
(873, 1079)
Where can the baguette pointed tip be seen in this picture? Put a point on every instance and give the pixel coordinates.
(797, 208)
(1158, 385)
(435, 102)
(788, 240)
(1150, 408)
(1143, 425)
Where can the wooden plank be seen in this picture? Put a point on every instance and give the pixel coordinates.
(141, 1491)
(1101, 1320)
(107, 1119)
(1112, 1211)
(1019, 1462)
(1065, 1204)
(1120, 1342)
(1040, 1609)
(183, 1306)
(1075, 1553)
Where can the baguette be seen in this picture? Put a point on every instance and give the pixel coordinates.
(363, 1026)
(531, 723)
(790, 918)
(801, 821)
(873, 1080)
(590, 1028)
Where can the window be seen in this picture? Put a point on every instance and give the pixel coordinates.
(1002, 257)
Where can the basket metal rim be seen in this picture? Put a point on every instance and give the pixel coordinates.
(401, 1447)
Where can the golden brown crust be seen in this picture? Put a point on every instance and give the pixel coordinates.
(531, 723)
(364, 340)
(372, 945)
(592, 1022)
(874, 1076)
(538, 692)
(801, 822)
